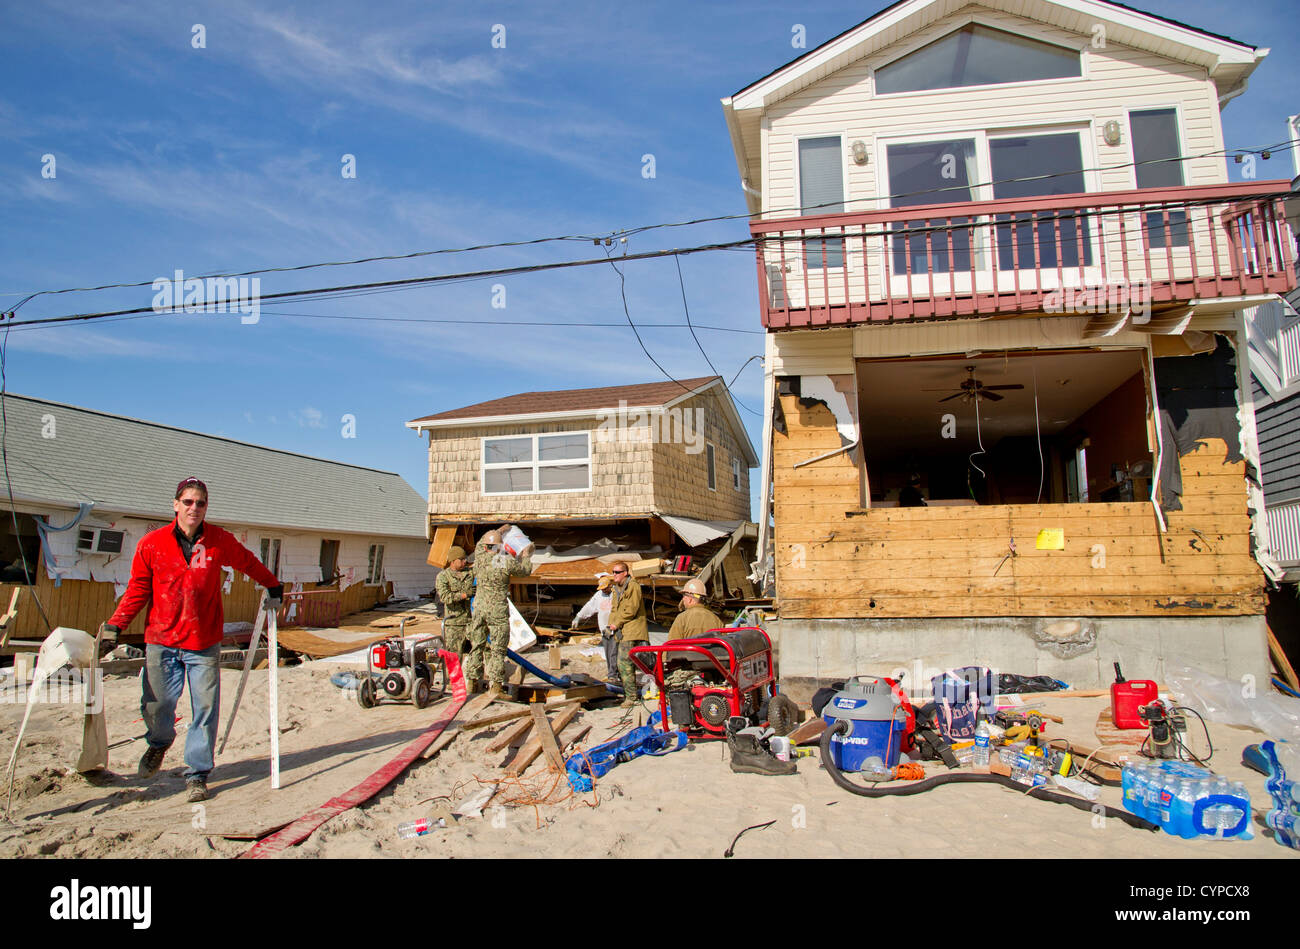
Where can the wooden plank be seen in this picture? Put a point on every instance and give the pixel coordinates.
(1025, 565)
(511, 736)
(549, 746)
(1007, 583)
(900, 548)
(572, 741)
(518, 762)
(8, 618)
(443, 540)
(519, 712)
(1279, 657)
(930, 606)
(808, 733)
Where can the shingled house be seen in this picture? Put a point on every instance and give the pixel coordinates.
(657, 468)
(88, 485)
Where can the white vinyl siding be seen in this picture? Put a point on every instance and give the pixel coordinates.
(1117, 80)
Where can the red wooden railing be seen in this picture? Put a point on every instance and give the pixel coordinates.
(1152, 248)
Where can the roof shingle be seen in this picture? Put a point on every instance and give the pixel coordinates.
(574, 400)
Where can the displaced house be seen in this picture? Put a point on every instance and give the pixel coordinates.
(87, 486)
(1000, 264)
(630, 471)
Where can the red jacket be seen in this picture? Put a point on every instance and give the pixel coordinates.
(184, 599)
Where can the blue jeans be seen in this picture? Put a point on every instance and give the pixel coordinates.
(166, 670)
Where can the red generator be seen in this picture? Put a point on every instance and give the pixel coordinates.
(706, 680)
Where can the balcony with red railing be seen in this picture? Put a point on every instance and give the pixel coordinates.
(1153, 249)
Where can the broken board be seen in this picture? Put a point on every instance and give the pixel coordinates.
(1122, 740)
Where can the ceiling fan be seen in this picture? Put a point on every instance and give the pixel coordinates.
(972, 389)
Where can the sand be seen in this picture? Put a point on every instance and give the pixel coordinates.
(687, 804)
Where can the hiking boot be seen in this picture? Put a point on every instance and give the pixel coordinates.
(493, 692)
(151, 762)
(748, 756)
(628, 702)
(196, 789)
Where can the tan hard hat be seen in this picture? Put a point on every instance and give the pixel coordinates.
(605, 582)
(456, 553)
(491, 538)
(695, 587)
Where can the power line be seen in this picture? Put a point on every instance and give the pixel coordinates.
(622, 290)
(682, 283)
(1287, 145)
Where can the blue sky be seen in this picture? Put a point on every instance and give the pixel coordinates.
(229, 158)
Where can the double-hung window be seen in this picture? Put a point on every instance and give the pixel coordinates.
(375, 565)
(821, 191)
(537, 464)
(1156, 155)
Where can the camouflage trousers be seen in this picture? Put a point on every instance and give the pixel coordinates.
(488, 640)
(627, 671)
(455, 636)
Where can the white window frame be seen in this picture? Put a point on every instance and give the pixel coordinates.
(484, 467)
(371, 561)
(982, 190)
(1179, 130)
(992, 25)
(799, 259)
(711, 465)
(272, 543)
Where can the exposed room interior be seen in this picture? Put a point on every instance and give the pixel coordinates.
(1051, 427)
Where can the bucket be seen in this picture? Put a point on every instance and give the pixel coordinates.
(513, 541)
(876, 720)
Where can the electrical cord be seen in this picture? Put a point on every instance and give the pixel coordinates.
(731, 851)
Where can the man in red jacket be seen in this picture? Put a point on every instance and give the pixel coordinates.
(177, 573)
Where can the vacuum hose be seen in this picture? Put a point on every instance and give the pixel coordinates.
(841, 727)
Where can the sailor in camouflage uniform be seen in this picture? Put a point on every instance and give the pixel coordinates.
(455, 586)
(490, 626)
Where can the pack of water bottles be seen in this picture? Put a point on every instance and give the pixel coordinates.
(1186, 800)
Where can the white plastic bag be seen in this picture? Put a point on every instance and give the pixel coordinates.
(1222, 700)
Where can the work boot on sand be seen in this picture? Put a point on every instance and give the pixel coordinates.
(151, 762)
(493, 692)
(748, 756)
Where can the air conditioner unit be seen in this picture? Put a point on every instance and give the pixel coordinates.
(100, 540)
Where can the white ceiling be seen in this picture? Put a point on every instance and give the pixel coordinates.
(898, 417)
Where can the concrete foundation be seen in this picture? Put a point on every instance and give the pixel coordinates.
(1078, 650)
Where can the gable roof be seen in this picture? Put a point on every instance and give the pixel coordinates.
(1229, 62)
(129, 466)
(580, 403)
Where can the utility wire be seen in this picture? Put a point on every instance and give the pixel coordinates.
(682, 283)
(622, 289)
(1279, 147)
(1015, 219)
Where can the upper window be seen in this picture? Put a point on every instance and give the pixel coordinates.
(1156, 157)
(735, 473)
(270, 556)
(821, 191)
(977, 55)
(534, 464)
(713, 476)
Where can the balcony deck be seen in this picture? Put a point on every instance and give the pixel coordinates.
(1149, 250)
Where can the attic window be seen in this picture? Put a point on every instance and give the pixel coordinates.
(977, 55)
(537, 464)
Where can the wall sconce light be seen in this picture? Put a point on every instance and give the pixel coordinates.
(859, 152)
(1110, 132)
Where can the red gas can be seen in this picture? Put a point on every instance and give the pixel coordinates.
(1127, 696)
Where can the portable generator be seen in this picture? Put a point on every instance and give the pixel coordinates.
(706, 680)
(398, 671)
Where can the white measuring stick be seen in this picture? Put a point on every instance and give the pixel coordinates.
(273, 658)
(248, 665)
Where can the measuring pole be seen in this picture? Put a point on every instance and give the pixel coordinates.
(273, 658)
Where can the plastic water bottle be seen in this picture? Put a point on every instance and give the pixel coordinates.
(416, 828)
(1155, 782)
(1243, 809)
(1028, 769)
(1126, 778)
(1219, 817)
(980, 758)
(1184, 802)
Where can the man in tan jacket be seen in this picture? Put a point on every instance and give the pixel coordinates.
(695, 619)
(628, 624)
